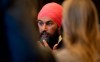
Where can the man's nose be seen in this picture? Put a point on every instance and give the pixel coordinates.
(45, 27)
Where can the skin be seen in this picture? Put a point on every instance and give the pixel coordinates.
(48, 25)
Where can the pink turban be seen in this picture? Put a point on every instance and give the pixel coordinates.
(53, 11)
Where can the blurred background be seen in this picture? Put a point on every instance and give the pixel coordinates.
(18, 29)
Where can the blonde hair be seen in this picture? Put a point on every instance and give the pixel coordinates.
(81, 30)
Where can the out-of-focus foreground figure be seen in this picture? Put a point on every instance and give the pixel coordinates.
(18, 33)
(81, 32)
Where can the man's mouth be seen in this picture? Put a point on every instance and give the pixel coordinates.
(45, 36)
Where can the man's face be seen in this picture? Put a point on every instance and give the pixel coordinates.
(47, 27)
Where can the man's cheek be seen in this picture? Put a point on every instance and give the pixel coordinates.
(51, 32)
(40, 31)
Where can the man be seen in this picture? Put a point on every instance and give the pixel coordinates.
(49, 23)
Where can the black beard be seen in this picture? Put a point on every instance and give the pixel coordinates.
(51, 40)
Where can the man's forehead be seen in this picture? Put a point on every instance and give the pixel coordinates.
(46, 19)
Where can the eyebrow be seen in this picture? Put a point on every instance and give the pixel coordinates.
(49, 21)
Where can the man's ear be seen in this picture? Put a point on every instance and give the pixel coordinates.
(59, 30)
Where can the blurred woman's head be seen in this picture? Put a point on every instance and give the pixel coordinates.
(80, 24)
(80, 20)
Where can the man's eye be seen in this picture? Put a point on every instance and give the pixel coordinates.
(40, 23)
(49, 23)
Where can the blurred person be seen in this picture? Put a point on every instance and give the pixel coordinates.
(49, 23)
(81, 32)
(18, 35)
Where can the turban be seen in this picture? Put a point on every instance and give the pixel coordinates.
(52, 11)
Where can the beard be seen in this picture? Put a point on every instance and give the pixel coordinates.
(45, 36)
(51, 39)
